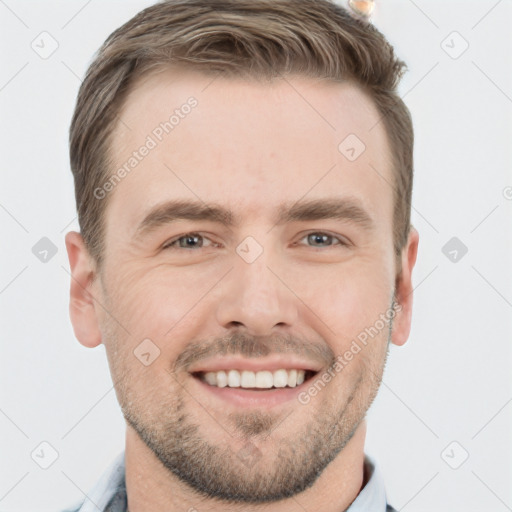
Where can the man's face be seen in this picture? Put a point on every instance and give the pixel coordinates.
(259, 294)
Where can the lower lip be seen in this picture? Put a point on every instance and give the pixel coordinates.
(241, 397)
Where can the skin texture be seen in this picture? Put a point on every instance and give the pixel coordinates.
(249, 147)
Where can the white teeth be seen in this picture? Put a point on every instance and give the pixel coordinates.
(211, 378)
(234, 379)
(222, 379)
(280, 378)
(248, 379)
(263, 379)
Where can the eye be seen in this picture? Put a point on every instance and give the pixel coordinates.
(186, 241)
(317, 239)
(321, 239)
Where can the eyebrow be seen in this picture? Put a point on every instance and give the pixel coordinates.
(347, 208)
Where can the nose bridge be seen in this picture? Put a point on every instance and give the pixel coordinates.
(253, 295)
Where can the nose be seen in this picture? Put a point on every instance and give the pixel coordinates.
(255, 298)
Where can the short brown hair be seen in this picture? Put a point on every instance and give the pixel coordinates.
(254, 38)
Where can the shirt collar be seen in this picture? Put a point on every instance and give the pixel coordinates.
(373, 495)
(109, 495)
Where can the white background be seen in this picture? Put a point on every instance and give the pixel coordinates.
(450, 382)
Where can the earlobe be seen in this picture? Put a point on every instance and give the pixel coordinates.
(404, 291)
(82, 307)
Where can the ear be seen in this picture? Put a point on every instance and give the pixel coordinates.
(82, 310)
(404, 290)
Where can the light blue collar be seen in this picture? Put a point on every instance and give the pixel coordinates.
(373, 495)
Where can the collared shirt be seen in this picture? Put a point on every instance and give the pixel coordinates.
(109, 494)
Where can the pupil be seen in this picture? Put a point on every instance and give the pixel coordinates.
(319, 238)
(189, 240)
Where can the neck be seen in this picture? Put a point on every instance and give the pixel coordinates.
(151, 486)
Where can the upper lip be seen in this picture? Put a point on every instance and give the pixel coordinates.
(270, 363)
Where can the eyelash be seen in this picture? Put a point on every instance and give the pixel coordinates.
(342, 242)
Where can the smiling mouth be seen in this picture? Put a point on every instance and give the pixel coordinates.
(262, 380)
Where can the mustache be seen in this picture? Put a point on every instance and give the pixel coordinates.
(254, 346)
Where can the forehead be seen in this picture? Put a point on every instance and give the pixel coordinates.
(249, 144)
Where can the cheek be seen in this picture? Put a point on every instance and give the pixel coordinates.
(160, 304)
(146, 297)
(347, 298)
